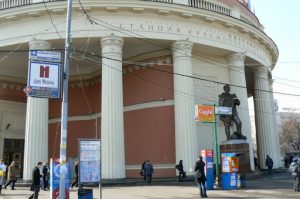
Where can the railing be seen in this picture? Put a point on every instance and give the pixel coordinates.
(165, 1)
(13, 3)
(201, 4)
(206, 5)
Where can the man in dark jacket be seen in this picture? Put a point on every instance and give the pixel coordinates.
(75, 183)
(148, 171)
(295, 170)
(179, 167)
(269, 164)
(200, 176)
(36, 181)
(45, 176)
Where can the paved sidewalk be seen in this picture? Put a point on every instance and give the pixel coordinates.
(275, 186)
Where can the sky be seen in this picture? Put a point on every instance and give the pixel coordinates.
(281, 19)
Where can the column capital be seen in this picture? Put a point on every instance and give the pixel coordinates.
(271, 81)
(37, 44)
(236, 59)
(182, 48)
(111, 41)
(261, 72)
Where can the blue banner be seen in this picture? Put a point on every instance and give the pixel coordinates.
(55, 178)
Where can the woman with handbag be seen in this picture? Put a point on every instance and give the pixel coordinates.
(11, 176)
(2, 173)
(200, 176)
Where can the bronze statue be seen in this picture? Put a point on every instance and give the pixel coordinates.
(230, 100)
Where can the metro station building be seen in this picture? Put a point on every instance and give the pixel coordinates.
(138, 68)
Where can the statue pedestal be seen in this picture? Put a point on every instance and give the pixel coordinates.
(241, 147)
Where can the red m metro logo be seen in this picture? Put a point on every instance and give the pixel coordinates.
(44, 71)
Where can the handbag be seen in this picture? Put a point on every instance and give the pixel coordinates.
(142, 173)
(2, 173)
(198, 175)
(184, 174)
(32, 187)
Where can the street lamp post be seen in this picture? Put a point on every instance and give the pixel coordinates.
(64, 105)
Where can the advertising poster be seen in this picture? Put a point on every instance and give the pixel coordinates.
(204, 113)
(55, 178)
(44, 74)
(44, 79)
(90, 161)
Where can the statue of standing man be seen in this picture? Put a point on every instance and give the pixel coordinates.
(230, 100)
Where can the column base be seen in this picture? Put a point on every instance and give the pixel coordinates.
(113, 181)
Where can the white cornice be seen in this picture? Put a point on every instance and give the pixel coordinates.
(147, 8)
(154, 104)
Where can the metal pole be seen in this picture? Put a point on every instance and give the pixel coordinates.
(64, 105)
(100, 190)
(216, 146)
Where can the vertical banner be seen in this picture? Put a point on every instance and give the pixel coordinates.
(55, 177)
(89, 161)
(208, 158)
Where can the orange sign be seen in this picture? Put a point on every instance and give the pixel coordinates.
(204, 113)
(234, 164)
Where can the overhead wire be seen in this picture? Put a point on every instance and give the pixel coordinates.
(93, 20)
(161, 46)
(52, 22)
(157, 43)
(172, 89)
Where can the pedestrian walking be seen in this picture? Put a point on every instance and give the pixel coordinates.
(200, 177)
(295, 171)
(11, 177)
(45, 178)
(75, 182)
(148, 171)
(269, 164)
(36, 181)
(2, 173)
(255, 163)
(142, 170)
(179, 167)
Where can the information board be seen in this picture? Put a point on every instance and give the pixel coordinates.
(89, 161)
(44, 74)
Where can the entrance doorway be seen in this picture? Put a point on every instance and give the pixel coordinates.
(14, 151)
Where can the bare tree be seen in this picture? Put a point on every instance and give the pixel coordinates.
(290, 136)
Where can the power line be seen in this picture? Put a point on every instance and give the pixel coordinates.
(177, 91)
(54, 26)
(93, 20)
(147, 64)
(193, 77)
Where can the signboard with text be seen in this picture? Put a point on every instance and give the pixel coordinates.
(223, 110)
(44, 79)
(43, 55)
(44, 74)
(90, 161)
(204, 113)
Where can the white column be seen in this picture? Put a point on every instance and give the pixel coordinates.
(237, 77)
(36, 130)
(263, 116)
(112, 122)
(2, 137)
(277, 157)
(184, 105)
